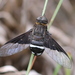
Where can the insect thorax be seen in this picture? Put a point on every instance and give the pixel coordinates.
(37, 40)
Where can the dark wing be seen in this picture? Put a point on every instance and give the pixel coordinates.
(56, 52)
(16, 45)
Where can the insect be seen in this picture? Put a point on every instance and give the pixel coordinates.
(38, 39)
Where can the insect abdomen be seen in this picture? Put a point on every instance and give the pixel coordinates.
(36, 50)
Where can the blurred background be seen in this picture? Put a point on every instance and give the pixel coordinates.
(18, 16)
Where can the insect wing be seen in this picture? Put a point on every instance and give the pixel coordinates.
(54, 50)
(15, 45)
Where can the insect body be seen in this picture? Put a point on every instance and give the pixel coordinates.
(38, 36)
(37, 39)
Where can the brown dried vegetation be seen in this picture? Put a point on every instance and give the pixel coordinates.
(18, 16)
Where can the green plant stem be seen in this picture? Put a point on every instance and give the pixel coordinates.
(44, 9)
(30, 63)
(55, 13)
(57, 69)
(32, 55)
(49, 25)
(67, 71)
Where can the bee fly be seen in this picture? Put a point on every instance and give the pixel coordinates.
(37, 39)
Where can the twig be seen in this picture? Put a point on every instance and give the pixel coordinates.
(30, 63)
(33, 61)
